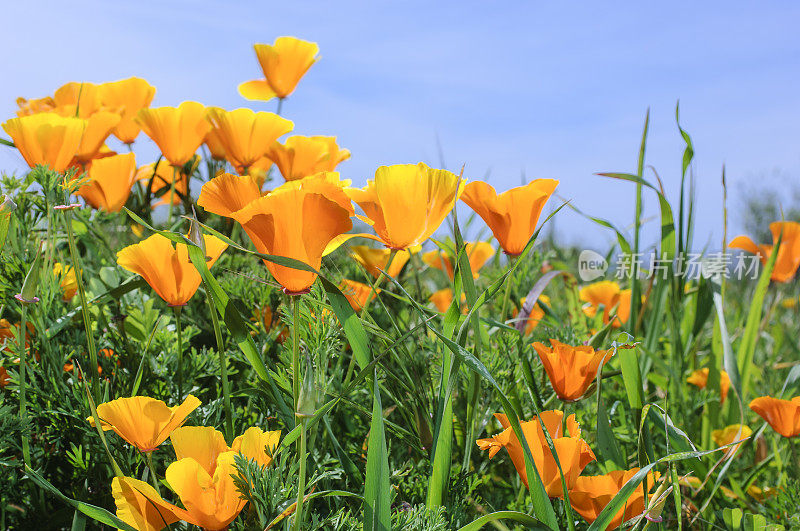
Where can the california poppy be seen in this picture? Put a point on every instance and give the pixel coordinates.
(406, 203)
(78, 98)
(375, 260)
(295, 224)
(537, 313)
(573, 452)
(128, 95)
(168, 269)
(301, 156)
(35, 106)
(358, 294)
(283, 64)
(512, 216)
(204, 444)
(98, 128)
(478, 253)
(4, 377)
(67, 280)
(443, 298)
(162, 175)
(246, 135)
(700, 379)
(590, 495)
(110, 182)
(214, 145)
(142, 421)
(177, 131)
(46, 138)
(571, 369)
(782, 415)
(326, 183)
(788, 259)
(227, 193)
(731, 434)
(608, 294)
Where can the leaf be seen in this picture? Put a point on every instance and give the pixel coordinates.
(377, 502)
(528, 521)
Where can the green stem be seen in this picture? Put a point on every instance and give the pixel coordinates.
(223, 368)
(177, 311)
(23, 383)
(507, 293)
(280, 106)
(172, 194)
(301, 478)
(295, 351)
(87, 322)
(148, 456)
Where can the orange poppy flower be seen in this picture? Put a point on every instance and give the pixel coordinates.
(77, 98)
(67, 280)
(357, 293)
(46, 138)
(178, 131)
(168, 269)
(128, 95)
(296, 224)
(512, 216)
(214, 145)
(478, 253)
(271, 321)
(536, 314)
(700, 379)
(98, 128)
(204, 444)
(110, 182)
(782, 415)
(443, 298)
(375, 260)
(162, 175)
(227, 194)
(573, 452)
(406, 203)
(35, 106)
(302, 156)
(283, 64)
(142, 421)
(246, 135)
(788, 258)
(590, 495)
(608, 294)
(327, 183)
(571, 369)
(4, 377)
(8, 334)
(731, 434)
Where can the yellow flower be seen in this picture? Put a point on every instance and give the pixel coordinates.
(302, 156)
(478, 253)
(730, 434)
(283, 64)
(110, 182)
(129, 95)
(375, 260)
(406, 203)
(77, 98)
(246, 135)
(98, 128)
(68, 282)
(46, 138)
(178, 131)
(142, 421)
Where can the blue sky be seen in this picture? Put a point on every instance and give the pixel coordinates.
(529, 88)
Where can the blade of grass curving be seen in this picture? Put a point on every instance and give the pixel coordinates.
(526, 520)
(377, 493)
(532, 298)
(607, 445)
(624, 245)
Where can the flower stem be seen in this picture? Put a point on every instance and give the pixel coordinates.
(177, 311)
(295, 351)
(148, 456)
(301, 478)
(87, 322)
(23, 383)
(223, 368)
(172, 193)
(507, 294)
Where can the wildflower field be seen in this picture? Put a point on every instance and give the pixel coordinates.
(234, 336)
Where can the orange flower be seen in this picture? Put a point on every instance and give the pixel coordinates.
(35, 106)
(788, 258)
(110, 182)
(214, 145)
(204, 444)
(590, 495)
(68, 282)
(8, 334)
(128, 95)
(162, 175)
(573, 452)
(178, 131)
(731, 434)
(479, 253)
(270, 320)
(443, 298)
(77, 98)
(98, 128)
(571, 369)
(246, 135)
(782, 415)
(375, 260)
(357, 294)
(283, 64)
(536, 314)
(608, 294)
(406, 203)
(302, 156)
(227, 194)
(142, 421)
(46, 138)
(296, 224)
(700, 379)
(327, 183)
(4, 377)
(512, 216)
(168, 269)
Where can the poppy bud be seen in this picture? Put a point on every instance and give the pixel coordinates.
(307, 401)
(28, 294)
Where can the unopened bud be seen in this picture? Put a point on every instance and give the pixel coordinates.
(31, 283)
(657, 502)
(7, 206)
(307, 401)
